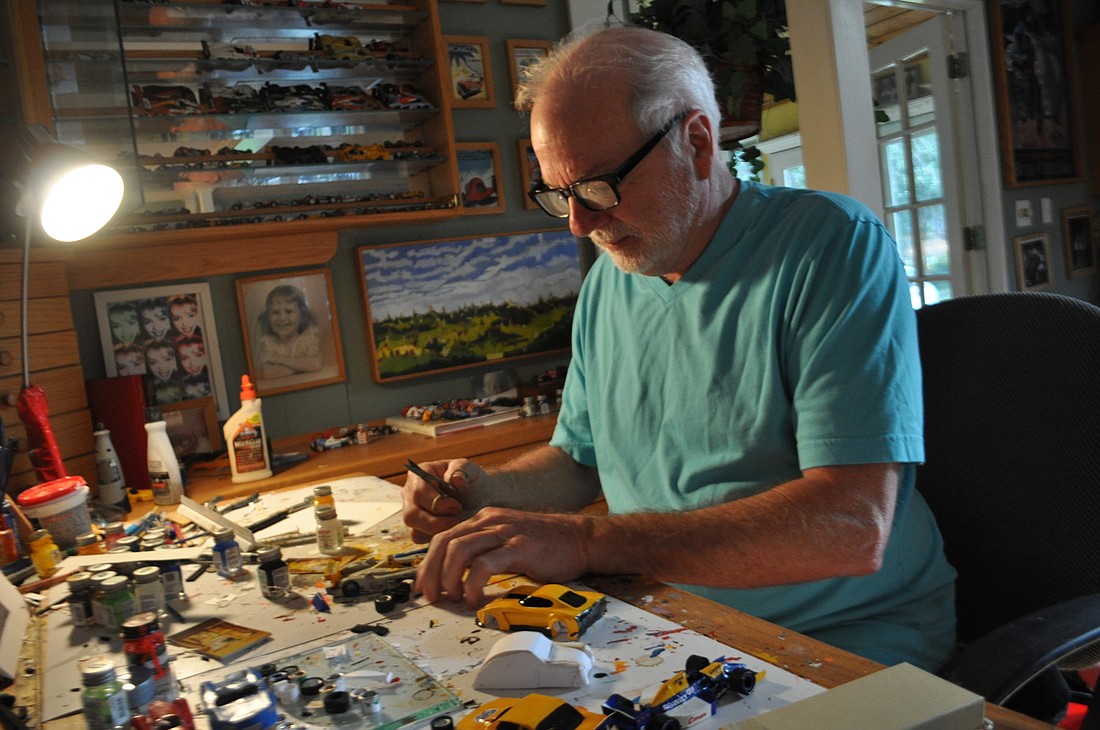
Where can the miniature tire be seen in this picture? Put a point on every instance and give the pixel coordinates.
(312, 686)
(490, 622)
(337, 701)
(350, 589)
(743, 681)
(384, 603)
(663, 722)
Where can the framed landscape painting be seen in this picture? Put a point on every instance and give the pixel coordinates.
(436, 306)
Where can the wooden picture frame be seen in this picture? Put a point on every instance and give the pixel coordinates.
(529, 173)
(167, 335)
(1078, 242)
(291, 335)
(192, 427)
(479, 177)
(469, 71)
(1036, 101)
(447, 304)
(521, 54)
(1032, 261)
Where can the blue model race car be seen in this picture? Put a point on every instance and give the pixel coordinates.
(688, 696)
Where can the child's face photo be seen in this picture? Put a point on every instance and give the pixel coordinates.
(162, 362)
(193, 358)
(130, 363)
(185, 317)
(196, 389)
(284, 317)
(156, 322)
(124, 325)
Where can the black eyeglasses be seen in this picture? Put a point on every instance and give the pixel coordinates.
(602, 191)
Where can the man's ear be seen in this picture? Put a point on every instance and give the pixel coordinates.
(701, 137)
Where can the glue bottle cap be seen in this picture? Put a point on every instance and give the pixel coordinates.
(248, 390)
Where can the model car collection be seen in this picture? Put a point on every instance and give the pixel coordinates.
(552, 609)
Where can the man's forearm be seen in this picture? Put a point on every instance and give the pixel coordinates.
(544, 480)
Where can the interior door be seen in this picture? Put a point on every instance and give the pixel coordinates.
(925, 137)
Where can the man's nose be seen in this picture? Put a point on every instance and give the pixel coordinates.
(583, 221)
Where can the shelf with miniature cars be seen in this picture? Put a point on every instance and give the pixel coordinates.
(273, 95)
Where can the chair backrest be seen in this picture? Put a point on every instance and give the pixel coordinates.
(1012, 435)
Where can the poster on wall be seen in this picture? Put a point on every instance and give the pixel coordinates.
(1036, 99)
(165, 334)
(435, 306)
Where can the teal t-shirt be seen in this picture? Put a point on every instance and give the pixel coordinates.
(789, 344)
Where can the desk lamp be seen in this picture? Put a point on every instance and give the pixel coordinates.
(71, 196)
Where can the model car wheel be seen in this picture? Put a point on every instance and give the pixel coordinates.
(491, 622)
(558, 628)
(350, 589)
(664, 722)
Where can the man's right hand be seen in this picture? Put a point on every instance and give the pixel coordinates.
(425, 511)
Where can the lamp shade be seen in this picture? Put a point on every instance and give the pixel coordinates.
(73, 195)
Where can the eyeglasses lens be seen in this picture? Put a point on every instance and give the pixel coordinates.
(553, 202)
(596, 194)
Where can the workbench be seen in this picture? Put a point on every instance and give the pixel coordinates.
(817, 663)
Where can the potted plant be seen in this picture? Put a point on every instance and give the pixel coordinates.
(745, 45)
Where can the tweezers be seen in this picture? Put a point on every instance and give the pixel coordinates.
(443, 488)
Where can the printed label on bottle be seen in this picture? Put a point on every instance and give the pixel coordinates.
(159, 482)
(248, 449)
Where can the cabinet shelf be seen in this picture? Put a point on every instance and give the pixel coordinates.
(262, 97)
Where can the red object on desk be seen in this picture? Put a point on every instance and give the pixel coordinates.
(119, 404)
(43, 451)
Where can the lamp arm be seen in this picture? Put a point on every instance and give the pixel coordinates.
(26, 205)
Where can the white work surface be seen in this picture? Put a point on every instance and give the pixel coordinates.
(633, 650)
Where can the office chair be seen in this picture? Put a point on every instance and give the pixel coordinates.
(1012, 474)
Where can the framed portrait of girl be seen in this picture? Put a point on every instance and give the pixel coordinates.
(291, 334)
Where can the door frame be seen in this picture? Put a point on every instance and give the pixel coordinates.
(833, 77)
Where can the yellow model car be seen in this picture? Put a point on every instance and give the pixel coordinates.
(551, 609)
(533, 712)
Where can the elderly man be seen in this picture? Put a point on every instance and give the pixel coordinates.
(744, 388)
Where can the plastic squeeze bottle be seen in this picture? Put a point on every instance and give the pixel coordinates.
(164, 469)
(245, 438)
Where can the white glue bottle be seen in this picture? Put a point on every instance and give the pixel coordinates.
(245, 438)
(164, 469)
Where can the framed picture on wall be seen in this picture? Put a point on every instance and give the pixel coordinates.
(524, 53)
(1078, 242)
(471, 77)
(1036, 100)
(1032, 261)
(479, 177)
(165, 334)
(290, 330)
(529, 173)
(442, 305)
(192, 427)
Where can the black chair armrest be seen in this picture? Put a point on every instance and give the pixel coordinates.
(1001, 662)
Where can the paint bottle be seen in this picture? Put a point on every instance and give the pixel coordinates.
(246, 439)
(330, 532)
(110, 482)
(45, 554)
(105, 703)
(80, 598)
(146, 652)
(112, 533)
(322, 494)
(171, 581)
(164, 469)
(273, 573)
(90, 544)
(227, 554)
(117, 601)
(148, 591)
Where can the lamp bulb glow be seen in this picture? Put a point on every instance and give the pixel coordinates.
(81, 202)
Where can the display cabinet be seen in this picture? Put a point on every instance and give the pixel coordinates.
(247, 114)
